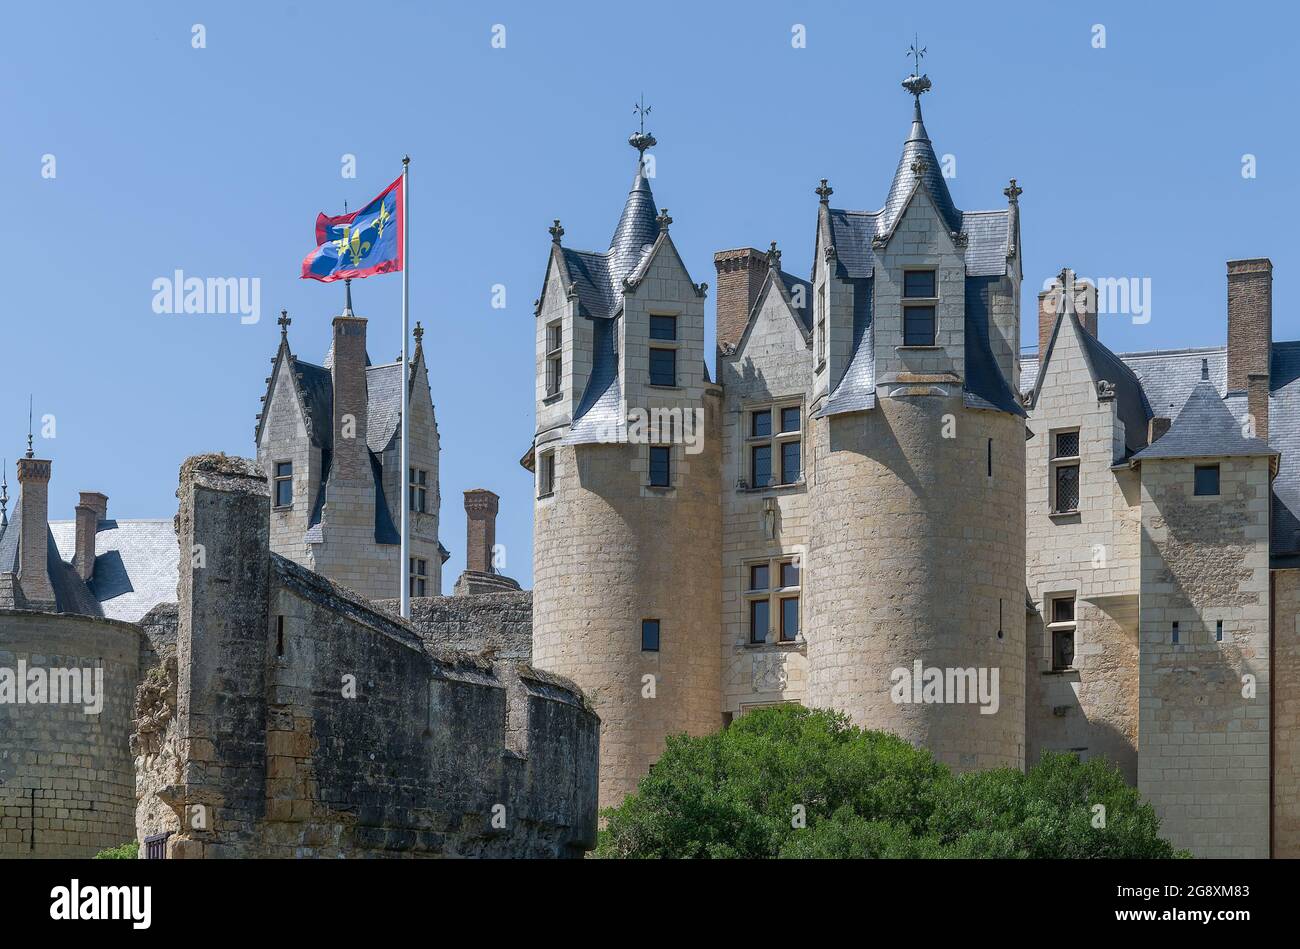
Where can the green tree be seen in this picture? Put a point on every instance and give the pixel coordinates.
(126, 851)
(804, 783)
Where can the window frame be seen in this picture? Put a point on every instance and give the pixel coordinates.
(546, 473)
(911, 304)
(773, 598)
(658, 635)
(1196, 480)
(667, 455)
(281, 480)
(1057, 463)
(1057, 628)
(554, 356)
(775, 441)
(418, 576)
(417, 489)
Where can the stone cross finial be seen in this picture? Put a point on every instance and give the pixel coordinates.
(418, 332)
(284, 322)
(918, 167)
(824, 192)
(663, 220)
(1013, 192)
(556, 231)
(773, 257)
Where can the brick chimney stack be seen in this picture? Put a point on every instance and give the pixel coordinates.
(351, 461)
(1250, 320)
(92, 508)
(481, 507)
(1083, 303)
(741, 273)
(33, 506)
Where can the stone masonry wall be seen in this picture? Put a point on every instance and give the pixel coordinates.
(66, 787)
(310, 724)
(1203, 752)
(1286, 713)
(497, 624)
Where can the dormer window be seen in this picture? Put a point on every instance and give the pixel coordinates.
(284, 484)
(663, 327)
(919, 298)
(554, 357)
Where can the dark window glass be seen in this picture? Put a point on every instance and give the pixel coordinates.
(1218, 631)
(1063, 610)
(1067, 488)
(789, 618)
(1175, 633)
(789, 462)
(553, 370)
(1067, 444)
(660, 466)
(918, 283)
(758, 576)
(419, 493)
(760, 423)
(990, 458)
(761, 465)
(663, 367)
(790, 574)
(1062, 648)
(283, 483)
(555, 335)
(419, 570)
(663, 327)
(918, 326)
(790, 419)
(1207, 479)
(546, 477)
(758, 611)
(649, 635)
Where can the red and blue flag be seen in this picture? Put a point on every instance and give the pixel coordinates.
(360, 243)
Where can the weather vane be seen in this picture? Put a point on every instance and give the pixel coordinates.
(917, 55)
(642, 110)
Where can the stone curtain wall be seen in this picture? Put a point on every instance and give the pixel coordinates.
(497, 624)
(311, 724)
(1203, 753)
(66, 787)
(1286, 713)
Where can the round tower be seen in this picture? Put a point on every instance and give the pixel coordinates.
(627, 524)
(915, 597)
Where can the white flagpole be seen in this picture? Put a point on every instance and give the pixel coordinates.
(404, 500)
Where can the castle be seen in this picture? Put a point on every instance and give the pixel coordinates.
(878, 507)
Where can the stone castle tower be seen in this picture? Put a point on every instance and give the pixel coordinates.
(328, 439)
(853, 505)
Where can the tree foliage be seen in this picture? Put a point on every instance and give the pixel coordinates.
(804, 783)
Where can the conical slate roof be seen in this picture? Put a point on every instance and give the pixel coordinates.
(636, 231)
(918, 148)
(1205, 428)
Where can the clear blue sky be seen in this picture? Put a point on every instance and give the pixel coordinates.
(215, 161)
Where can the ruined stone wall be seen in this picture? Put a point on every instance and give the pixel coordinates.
(1286, 713)
(66, 787)
(913, 553)
(1203, 731)
(498, 624)
(310, 724)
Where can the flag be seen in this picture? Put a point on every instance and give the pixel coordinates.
(360, 243)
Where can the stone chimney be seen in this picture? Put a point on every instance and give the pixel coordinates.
(351, 461)
(1250, 320)
(481, 507)
(741, 273)
(33, 541)
(1156, 426)
(92, 508)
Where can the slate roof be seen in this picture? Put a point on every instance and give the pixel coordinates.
(856, 389)
(985, 387)
(600, 416)
(1205, 428)
(135, 564)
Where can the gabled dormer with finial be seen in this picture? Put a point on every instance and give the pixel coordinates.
(919, 291)
(595, 344)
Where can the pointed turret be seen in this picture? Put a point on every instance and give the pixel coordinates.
(637, 227)
(918, 160)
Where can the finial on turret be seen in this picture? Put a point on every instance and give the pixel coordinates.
(918, 167)
(1013, 192)
(556, 231)
(917, 83)
(29, 427)
(642, 139)
(347, 296)
(4, 491)
(663, 220)
(773, 257)
(284, 322)
(824, 192)
(418, 332)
